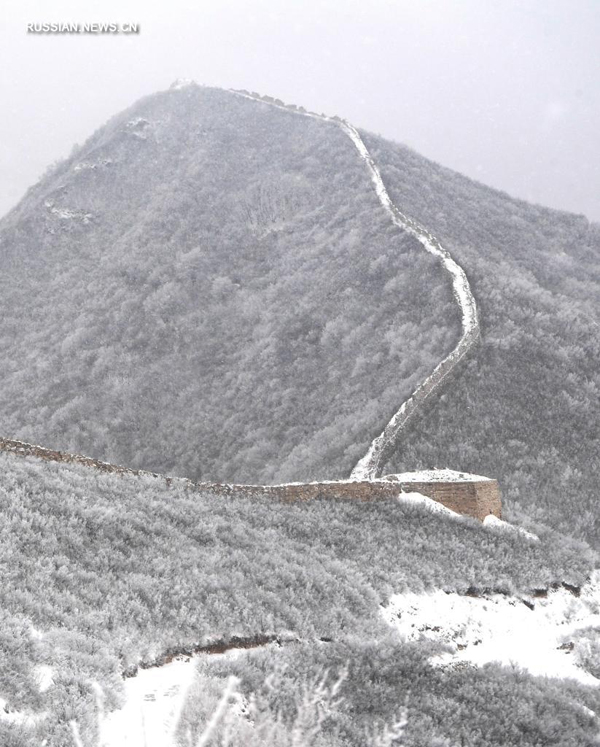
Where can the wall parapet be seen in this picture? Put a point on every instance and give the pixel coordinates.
(471, 497)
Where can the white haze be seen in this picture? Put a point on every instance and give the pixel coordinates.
(504, 92)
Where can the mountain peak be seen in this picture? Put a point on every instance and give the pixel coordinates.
(180, 83)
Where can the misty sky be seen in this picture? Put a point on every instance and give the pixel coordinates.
(505, 91)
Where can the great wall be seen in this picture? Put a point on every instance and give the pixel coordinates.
(468, 495)
(382, 447)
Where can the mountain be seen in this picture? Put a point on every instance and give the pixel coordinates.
(526, 408)
(214, 287)
(210, 288)
(107, 572)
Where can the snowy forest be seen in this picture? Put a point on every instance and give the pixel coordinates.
(133, 569)
(212, 290)
(209, 288)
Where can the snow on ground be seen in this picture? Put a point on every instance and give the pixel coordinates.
(154, 699)
(66, 213)
(93, 164)
(35, 634)
(44, 676)
(490, 522)
(417, 499)
(180, 83)
(436, 475)
(497, 628)
(494, 522)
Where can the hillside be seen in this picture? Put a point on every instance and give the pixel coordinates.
(134, 568)
(209, 287)
(212, 287)
(527, 406)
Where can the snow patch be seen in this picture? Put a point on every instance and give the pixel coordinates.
(154, 700)
(493, 522)
(417, 499)
(505, 630)
(587, 711)
(436, 475)
(66, 213)
(35, 634)
(92, 164)
(180, 83)
(44, 676)
(138, 127)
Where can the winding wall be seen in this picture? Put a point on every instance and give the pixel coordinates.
(475, 498)
(372, 463)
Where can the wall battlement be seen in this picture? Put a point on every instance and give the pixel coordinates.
(471, 497)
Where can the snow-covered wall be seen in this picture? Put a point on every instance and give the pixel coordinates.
(470, 495)
(382, 447)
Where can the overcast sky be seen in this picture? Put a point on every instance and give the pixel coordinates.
(506, 91)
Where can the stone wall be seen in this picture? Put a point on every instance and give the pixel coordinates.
(476, 499)
(471, 498)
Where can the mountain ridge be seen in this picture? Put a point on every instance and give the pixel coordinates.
(381, 448)
(315, 419)
(218, 291)
(67, 229)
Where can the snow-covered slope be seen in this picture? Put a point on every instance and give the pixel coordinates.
(254, 315)
(548, 636)
(374, 460)
(154, 700)
(371, 464)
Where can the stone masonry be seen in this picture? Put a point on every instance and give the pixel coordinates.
(471, 497)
